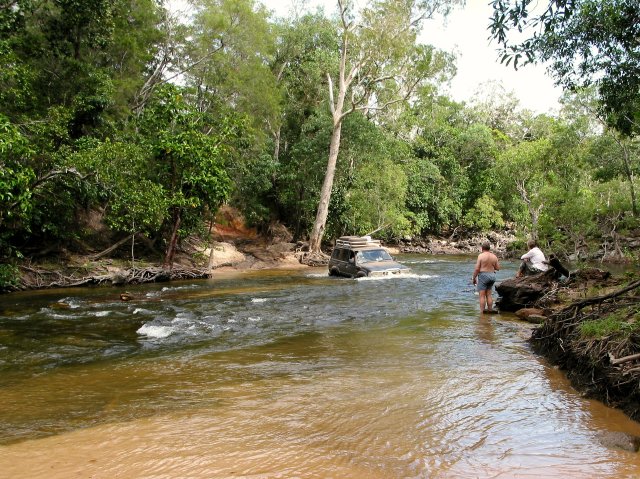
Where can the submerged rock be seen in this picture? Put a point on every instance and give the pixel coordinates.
(533, 315)
(619, 440)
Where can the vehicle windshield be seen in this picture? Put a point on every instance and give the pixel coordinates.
(373, 255)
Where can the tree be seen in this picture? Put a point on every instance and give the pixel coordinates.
(586, 42)
(188, 159)
(280, 182)
(227, 60)
(16, 201)
(380, 65)
(483, 216)
(612, 153)
(438, 183)
(524, 167)
(615, 155)
(141, 43)
(371, 182)
(134, 201)
(431, 201)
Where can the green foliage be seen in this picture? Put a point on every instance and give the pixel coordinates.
(15, 177)
(139, 43)
(375, 201)
(431, 202)
(89, 123)
(301, 172)
(517, 246)
(187, 158)
(374, 181)
(483, 216)
(569, 222)
(133, 201)
(586, 42)
(522, 172)
(476, 151)
(621, 323)
(9, 276)
(228, 52)
(253, 191)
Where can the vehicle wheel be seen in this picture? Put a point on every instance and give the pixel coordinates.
(334, 272)
(361, 275)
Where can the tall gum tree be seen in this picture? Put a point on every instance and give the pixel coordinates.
(380, 64)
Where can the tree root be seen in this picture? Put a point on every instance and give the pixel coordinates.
(314, 259)
(605, 368)
(42, 279)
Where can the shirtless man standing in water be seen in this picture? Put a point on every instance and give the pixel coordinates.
(484, 276)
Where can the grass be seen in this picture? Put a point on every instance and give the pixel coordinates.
(622, 322)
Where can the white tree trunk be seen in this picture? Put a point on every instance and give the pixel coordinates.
(325, 193)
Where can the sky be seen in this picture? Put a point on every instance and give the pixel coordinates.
(466, 35)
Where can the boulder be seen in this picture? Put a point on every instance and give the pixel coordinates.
(523, 292)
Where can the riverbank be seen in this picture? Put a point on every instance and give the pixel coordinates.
(195, 260)
(595, 340)
(229, 248)
(232, 245)
(589, 327)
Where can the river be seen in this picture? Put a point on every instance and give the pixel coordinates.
(290, 374)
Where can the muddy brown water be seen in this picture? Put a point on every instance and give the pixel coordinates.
(290, 374)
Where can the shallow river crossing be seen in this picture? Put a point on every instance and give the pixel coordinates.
(290, 374)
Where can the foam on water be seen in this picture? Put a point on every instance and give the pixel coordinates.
(183, 317)
(317, 275)
(398, 277)
(259, 300)
(72, 303)
(61, 316)
(179, 288)
(425, 261)
(155, 331)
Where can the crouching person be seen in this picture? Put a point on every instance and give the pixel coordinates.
(533, 261)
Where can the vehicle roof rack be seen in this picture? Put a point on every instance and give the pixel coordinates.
(356, 241)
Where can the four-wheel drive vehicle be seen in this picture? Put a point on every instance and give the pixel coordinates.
(360, 256)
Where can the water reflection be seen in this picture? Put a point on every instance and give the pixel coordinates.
(289, 374)
(485, 330)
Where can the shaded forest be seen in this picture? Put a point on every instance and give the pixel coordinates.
(119, 120)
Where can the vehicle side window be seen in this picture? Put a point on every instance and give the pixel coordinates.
(344, 255)
(336, 253)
